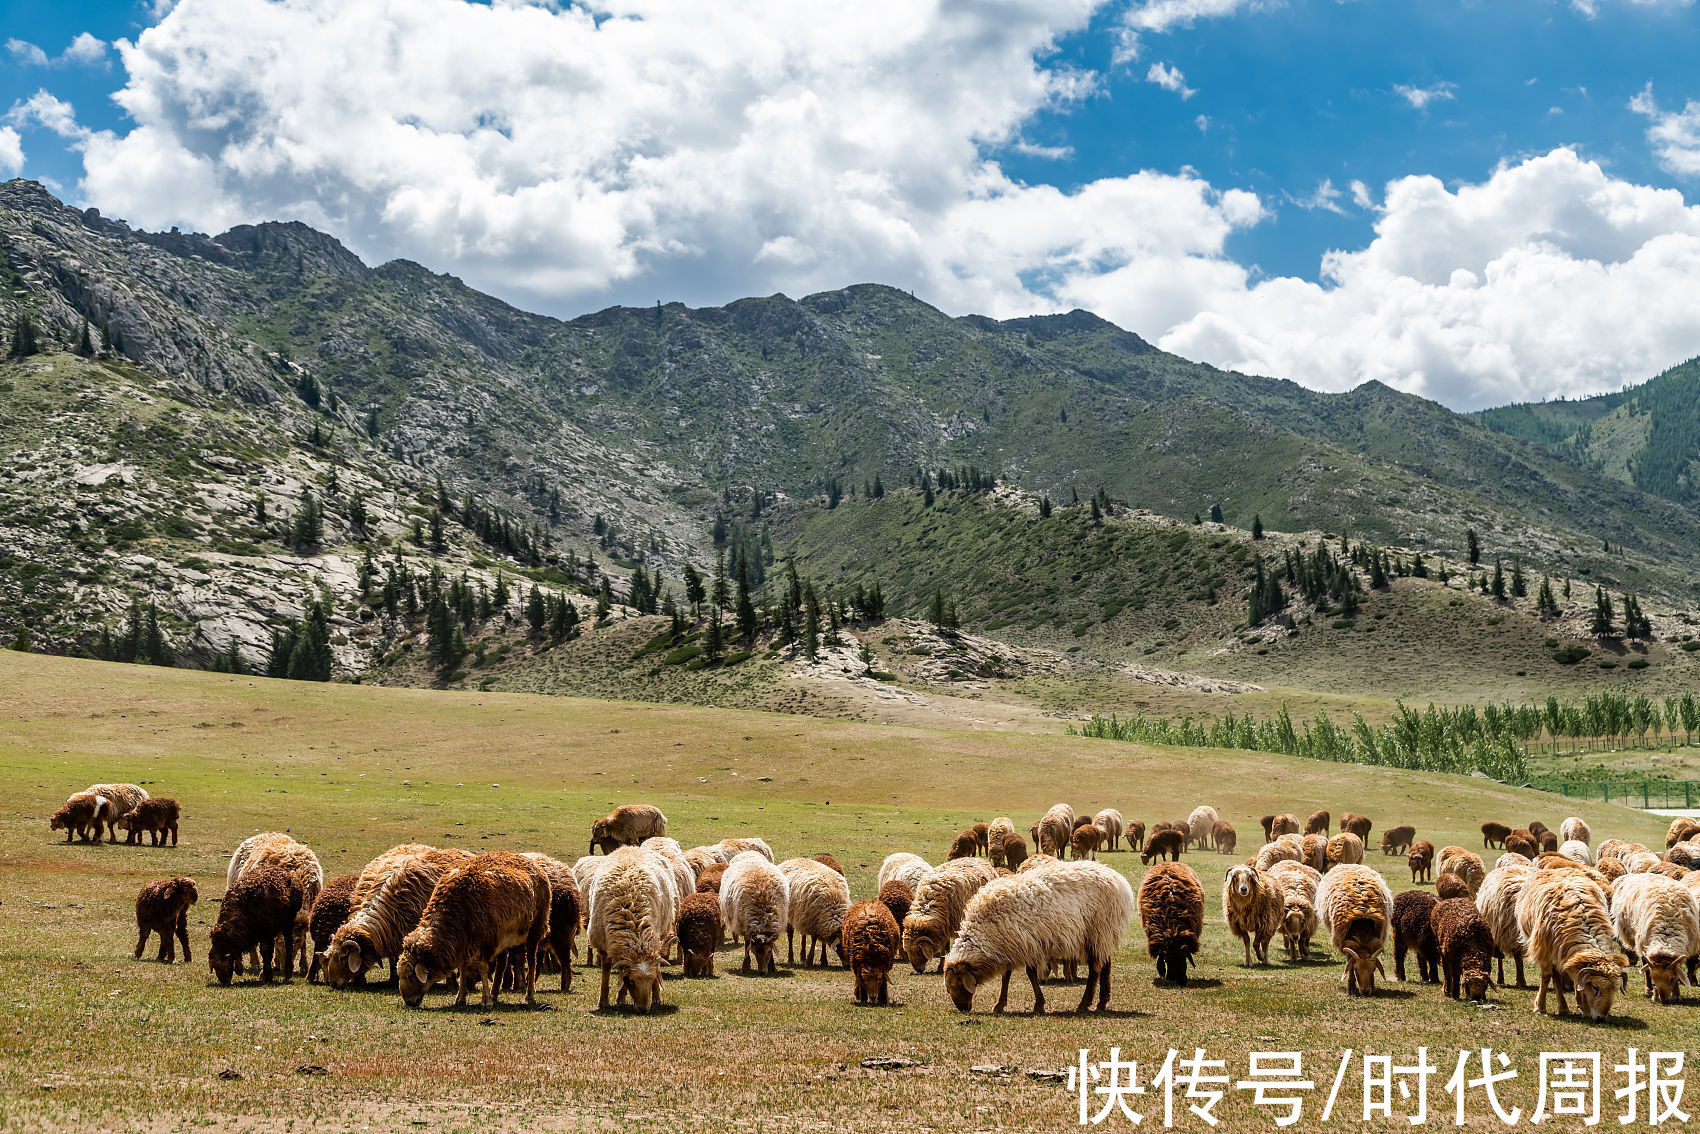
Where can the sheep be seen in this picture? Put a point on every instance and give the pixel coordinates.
(375, 930)
(1397, 840)
(1358, 825)
(1670, 870)
(330, 909)
(1318, 823)
(1548, 841)
(965, 845)
(755, 899)
(1283, 825)
(1577, 850)
(701, 858)
(566, 913)
(1286, 848)
(1298, 912)
(81, 813)
(1222, 834)
(830, 863)
(709, 881)
(377, 871)
(1073, 911)
(1518, 843)
(1037, 862)
(1681, 827)
(1421, 861)
(1610, 869)
(684, 880)
(1494, 834)
(163, 908)
(1562, 916)
(1658, 920)
(1512, 858)
(1466, 948)
(156, 817)
(1496, 901)
(997, 831)
(1412, 932)
(1135, 832)
(698, 932)
(1536, 829)
(1638, 862)
(1575, 829)
(477, 912)
(1608, 849)
(1315, 852)
(1252, 902)
(905, 867)
(819, 899)
(120, 798)
(940, 901)
(1082, 821)
(869, 941)
(279, 849)
(262, 906)
(627, 825)
(898, 897)
(1014, 852)
(1467, 865)
(982, 838)
(1268, 822)
(1686, 855)
(1449, 885)
(1109, 825)
(1345, 849)
(1163, 843)
(1357, 906)
(1296, 877)
(1054, 830)
(1200, 823)
(1085, 842)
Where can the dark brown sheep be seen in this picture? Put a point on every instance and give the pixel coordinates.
(1317, 824)
(963, 846)
(1397, 840)
(871, 939)
(477, 912)
(1164, 844)
(700, 926)
(330, 909)
(1411, 931)
(828, 860)
(1085, 841)
(1421, 861)
(1268, 822)
(1449, 886)
(566, 917)
(79, 815)
(1494, 834)
(1519, 842)
(1135, 833)
(257, 911)
(708, 882)
(156, 817)
(1466, 948)
(898, 897)
(1222, 834)
(1358, 825)
(1082, 821)
(627, 826)
(1171, 909)
(1014, 851)
(1549, 841)
(163, 908)
(982, 839)
(1536, 829)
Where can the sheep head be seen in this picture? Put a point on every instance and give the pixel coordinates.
(1596, 976)
(641, 979)
(960, 981)
(923, 939)
(1361, 969)
(60, 820)
(761, 947)
(1242, 882)
(1474, 983)
(224, 955)
(417, 969)
(1665, 977)
(599, 836)
(1174, 959)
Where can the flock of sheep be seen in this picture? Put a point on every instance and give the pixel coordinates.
(500, 919)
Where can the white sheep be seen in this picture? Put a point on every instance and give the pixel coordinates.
(755, 900)
(1658, 919)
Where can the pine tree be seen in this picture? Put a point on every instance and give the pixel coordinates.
(154, 649)
(439, 540)
(310, 659)
(811, 622)
(309, 527)
(440, 633)
(21, 639)
(1257, 527)
(879, 487)
(1377, 572)
(1519, 585)
(714, 636)
(1602, 626)
(534, 610)
(1498, 580)
(1215, 513)
(308, 387)
(1097, 512)
(24, 340)
(1545, 605)
(85, 341)
(357, 514)
(747, 624)
(1475, 546)
(695, 593)
(372, 423)
(926, 491)
(720, 593)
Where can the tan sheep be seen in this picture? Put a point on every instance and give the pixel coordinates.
(626, 826)
(819, 897)
(120, 799)
(1575, 829)
(1658, 920)
(1567, 933)
(940, 901)
(1284, 824)
(1682, 827)
(1109, 824)
(1344, 849)
(755, 899)
(1200, 823)
(1467, 865)
(1252, 902)
(1054, 830)
(1356, 905)
(1315, 853)
(997, 831)
(374, 932)
(477, 912)
(1298, 909)
(1286, 848)
(1511, 858)
(1496, 901)
(904, 867)
(1577, 851)
(632, 916)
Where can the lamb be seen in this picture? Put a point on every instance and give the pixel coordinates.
(1358, 825)
(755, 899)
(376, 930)
(163, 908)
(940, 902)
(1397, 840)
(1466, 948)
(1163, 843)
(818, 900)
(330, 909)
(1200, 823)
(1357, 906)
(1563, 919)
(1412, 931)
(1283, 825)
(1421, 861)
(1681, 828)
(1449, 885)
(1577, 851)
(965, 845)
(1252, 903)
(1345, 849)
(156, 817)
(1135, 832)
(279, 849)
(709, 881)
(477, 912)
(1224, 837)
(261, 907)
(1657, 919)
(566, 913)
(1014, 852)
(905, 867)
(81, 813)
(1467, 865)
(1317, 824)
(626, 826)
(869, 941)
(1519, 843)
(1575, 829)
(1286, 848)
(1085, 842)
(982, 838)
(120, 798)
(1055, 829)
(1494, 834)
(700, 926)
(1496, 901)
(1109, 824)
(1073, 912)
(999, 829)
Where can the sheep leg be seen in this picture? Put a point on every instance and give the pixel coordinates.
(605, 970)
(790, 946)
(746, 968)
(1038, 993)
(1541, 996)
(531, 973)
(141, 941)
(1085, 1004)
(463, 985)
(1246, 941)
(1104, 985)
(167, 946)
(1003, 995)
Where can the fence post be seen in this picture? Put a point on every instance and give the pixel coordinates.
(1688, 793)
(1644, 801)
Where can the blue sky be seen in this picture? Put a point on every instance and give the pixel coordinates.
(1475, 201)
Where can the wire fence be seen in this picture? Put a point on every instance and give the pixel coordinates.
(1633, 793)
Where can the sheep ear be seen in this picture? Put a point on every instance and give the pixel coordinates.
(352, 960)
(421, 974)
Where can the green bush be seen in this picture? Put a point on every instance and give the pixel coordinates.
(682, 655)
(734, 659)
(1551, 643)
(1638, 663)
(1344, 623)
(1691, 646)
(1571, 654)
(1606, 663)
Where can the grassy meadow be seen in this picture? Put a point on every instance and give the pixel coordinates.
(92, 1039)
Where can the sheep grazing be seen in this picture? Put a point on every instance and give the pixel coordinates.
(1200, 823)
(477, 912)
(261, 907)
(278, 849)
(375, 872)
(819, 897)
(732, 848)
(1398, 840)
(869, 941)
(1639, 862)
(905, 867)
(1356, 905)
(1670, 870)
(1412, 932)
(120, 799)
(1163, 844)
(1512, 858)
(699, 929)
(1421, 861)
(709, 881)
(1518, 843)
(1681, 828)
(1251, 904)
(330, 909)
(1496, 901)
(1577, 851)
(163, 908)
(1449, 885)
(1298, 907)
(1109, 824)
(1575, 829)
(1610, 869)
(1268, 822)
(1466, 948)
(1608, 849)
(1658, 920)
(1085, 842)
(1286, 848)
(1014, 852)
(1171, 909)
(566, 914)
(1563, 919)
(376, 929)
(1283, 825)
(1345, 849)
(1222, 834)
(1549, 841)
(1135, 832)
(1467, 865)
(965, 845)
(1318, 823)
(701, 858)
(830, 863)
(1358, 825)
(155, 817)
(982, 838)
(632, 916)
(1314, 852)
(756, 903)
(79, 815)
(940, 902)
(1052, 833)
(898, 897)
(1037, 862)
(997, 831)
(626, 826)
(1071, 912)
(1536, 829)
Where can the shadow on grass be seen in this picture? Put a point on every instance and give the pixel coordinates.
(1191, 982)
(614, 1012)
(780, 973)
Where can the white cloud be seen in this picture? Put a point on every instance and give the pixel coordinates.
(1361, 196)
(1422, 97)
(1673, 134)
(1325, 197)
(49, 112)
(86, 50)
(1170, 79)
(26, 53)
(11, 152)
(1591, 8)
(1159, 16)
(1203, 123)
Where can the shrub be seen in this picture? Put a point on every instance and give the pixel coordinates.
(734, 659)
(1691, 646)
(1571, 654)
(1638, 663)
(1606, 663)
(681, 655)
(1344, 623)
(1551, 643)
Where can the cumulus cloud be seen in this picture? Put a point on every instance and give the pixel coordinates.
(1421, 97)
(1159, 16)
(1324, 197)
(50, 112)
(1591, 8)
(11, 152)
(1170, 79)
(86, 50)
(1673, 134)
(26, 53)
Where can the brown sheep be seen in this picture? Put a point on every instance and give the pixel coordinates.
(1168, 843)
(1358, 825)
(1222, 834)
(1466, 948)
(1344, 849)
(700, 926)
(1318, 823)
(1171, 908)
(1494, 834)
(1252, 903)
(1413, 931)
(1283, 825)
(156, 817)
(1398, 840)
(871, 940)
(1014, 852)
(1085, 841)
(330, 909)
(963, 846)
(1268, 822)
(1467, 865)
(1315, 852)
(1681, 829)
(163, 908)
(1421, 861)
(258, 910)
(79, 815)
(627, 826)
(477, 912)
(828, 861)
(1518, 842)
(1549, 841)
(897, 897)
(709, 881)
(982, 839)
(1670, 870)
(1449, 885)
(379, 922)
(1536, 829)
(566, 914)
(1135, 833)
(1356, 905)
